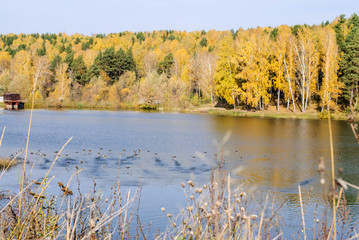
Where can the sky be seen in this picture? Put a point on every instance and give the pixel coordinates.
(111, 16)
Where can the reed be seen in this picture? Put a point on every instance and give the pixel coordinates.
(216, 211)
(69, 215)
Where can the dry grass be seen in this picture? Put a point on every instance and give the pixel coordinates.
(215, 211)
(68, 215)
(6, 163)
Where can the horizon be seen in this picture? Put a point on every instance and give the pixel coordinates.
(110, 16)
(159, 30)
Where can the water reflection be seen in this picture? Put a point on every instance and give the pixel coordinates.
(164, 149)
(282, 153)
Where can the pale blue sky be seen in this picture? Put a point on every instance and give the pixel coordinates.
(106, 16)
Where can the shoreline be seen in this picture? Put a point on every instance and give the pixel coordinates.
(205, 109)
(270, 114)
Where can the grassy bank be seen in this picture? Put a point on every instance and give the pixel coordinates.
(271, 112)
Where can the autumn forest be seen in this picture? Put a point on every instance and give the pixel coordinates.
(297, 67)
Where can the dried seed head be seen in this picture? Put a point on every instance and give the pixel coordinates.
(182, 211)
(242, 194)
(238, 200)
(235, 195)
(189, 209)
(244, 217)
(183, 185)
(218, 204)
(92, 222)
(190, 183)
(191, 197)
(169, 215)
(254, 217)
(163, 209)
(205, 186)
(174, 225)
(238, 215)
(242, 209)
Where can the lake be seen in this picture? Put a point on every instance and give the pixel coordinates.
(162, 150)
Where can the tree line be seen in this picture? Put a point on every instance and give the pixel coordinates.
(296, 67)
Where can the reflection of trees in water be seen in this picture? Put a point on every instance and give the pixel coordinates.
(281, 153)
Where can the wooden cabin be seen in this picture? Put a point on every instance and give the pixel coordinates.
(12, 101)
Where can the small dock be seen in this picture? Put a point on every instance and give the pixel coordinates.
(12, 101)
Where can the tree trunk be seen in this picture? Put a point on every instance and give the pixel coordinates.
(211, 96)
(234, 100)
(351, 99)
(289, 83)
(278, 100)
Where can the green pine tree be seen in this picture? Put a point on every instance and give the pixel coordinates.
(165, 65)
(350, 66)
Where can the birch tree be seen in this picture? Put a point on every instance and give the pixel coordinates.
(203, 66)
(307, 59)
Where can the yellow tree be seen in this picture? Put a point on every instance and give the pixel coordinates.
(180, 59)
(89, 56)
(4, 61)
(203, 67)
(41, 76)
(330, 87)
(188, 42)
(253, 50)
(307, 60)
(226, 71)
(99, 44)
(150, 61)
(22, 72)
(283, 65)
(62, 87)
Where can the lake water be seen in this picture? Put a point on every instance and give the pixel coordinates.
(165, 149)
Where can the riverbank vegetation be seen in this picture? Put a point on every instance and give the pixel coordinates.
(216, 210)
(297, 68)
